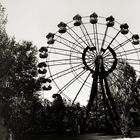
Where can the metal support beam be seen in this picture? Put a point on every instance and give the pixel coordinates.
(94, 90)
(110, 103)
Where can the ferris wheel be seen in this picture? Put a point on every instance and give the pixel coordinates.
(83, 55)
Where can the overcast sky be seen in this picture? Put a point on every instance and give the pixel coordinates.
(33, 19)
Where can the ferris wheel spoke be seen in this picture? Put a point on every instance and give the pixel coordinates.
(63, 72)
(118, 46)
(96, 40)
(89, 61)
(107, 54)
(122, 44)
(86, 35)
(68, 63)
(69, 46)
(128, 52)
(54, 52)
(90, 58)
(120, 55)
(109, 58)
(132, 63)
(107, 66)
(64, 39)
(65, 50)
(112, 41)
(78, 37)
(128, 59)
(105, 34)
(93, 67)
(61, 93)
(137, 71)
(59, 60)
(59, 76)
(76, 40)
(68, 72)
(71, 82)
(91, 55)
(135, 49)
(80, 88)
(61, 64)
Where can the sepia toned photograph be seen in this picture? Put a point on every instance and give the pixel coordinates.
(69, 70)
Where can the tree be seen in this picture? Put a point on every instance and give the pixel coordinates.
(3, 18)
(3, 41)
(23, 70)
(74, 117)
(126, 95)
(18, 71)
(20, 78)
(58, 110)
(138, 95)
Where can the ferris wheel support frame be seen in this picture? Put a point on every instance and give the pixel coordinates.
(106, 93)
(88, 54)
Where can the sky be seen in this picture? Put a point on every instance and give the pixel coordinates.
(32, 20)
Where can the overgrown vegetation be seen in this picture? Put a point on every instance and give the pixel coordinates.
(17, 81)
(22, 112)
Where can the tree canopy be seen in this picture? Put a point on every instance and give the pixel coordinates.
(18, 64)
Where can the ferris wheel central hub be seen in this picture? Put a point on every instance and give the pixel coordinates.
(91, 59)
(99, 60)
